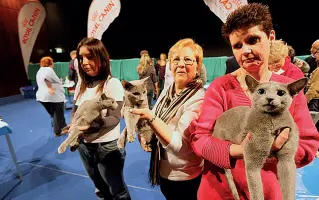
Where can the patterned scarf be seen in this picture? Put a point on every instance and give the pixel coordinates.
(166, 110)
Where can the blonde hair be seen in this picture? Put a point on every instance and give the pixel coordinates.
(46, 61)
(188, 42)
(73, 53)
(145, 63)
(278, 50)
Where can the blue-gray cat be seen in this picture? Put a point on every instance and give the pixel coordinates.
(267, 117)
(135, 96)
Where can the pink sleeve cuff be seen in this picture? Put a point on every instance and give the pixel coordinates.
(217, 152)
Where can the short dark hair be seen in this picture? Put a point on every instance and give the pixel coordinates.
(143, 52)
(291, 52)
(247, 16)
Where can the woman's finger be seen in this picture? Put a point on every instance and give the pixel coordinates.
(281, 139)
(83, 128)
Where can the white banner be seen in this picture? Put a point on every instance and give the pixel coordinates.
(222, 8)
(101, 14)
(30, 20)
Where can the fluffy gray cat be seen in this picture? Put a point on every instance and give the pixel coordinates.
(135, 96)
(87, 113)
(267, 117)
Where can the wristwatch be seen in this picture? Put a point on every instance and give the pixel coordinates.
(151, 120)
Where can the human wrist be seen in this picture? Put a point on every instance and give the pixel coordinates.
(151, 120)
(235, 151)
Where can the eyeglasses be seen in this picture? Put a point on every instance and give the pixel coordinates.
(186, 61)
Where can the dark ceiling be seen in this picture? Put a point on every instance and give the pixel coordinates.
(157, 25)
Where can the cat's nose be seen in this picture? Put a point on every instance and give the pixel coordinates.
(269, 99)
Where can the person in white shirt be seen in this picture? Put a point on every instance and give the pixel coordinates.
(168, 76)
(174, 166)
(101, 157)
(51, 93)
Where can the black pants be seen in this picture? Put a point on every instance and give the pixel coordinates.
(180, 190)
(104, 163)
(56, 111)
(161, 84)
(150, 94)
(313, 105)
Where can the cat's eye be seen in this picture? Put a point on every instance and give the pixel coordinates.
(136, 93)
(144, 92)
(281, 93)
(261, 91)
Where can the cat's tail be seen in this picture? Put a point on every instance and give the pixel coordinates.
(231, 184)
(121, 142)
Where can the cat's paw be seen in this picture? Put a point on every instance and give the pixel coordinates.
(131, 137)
(61, 149)
(121, 143)
(144, 144)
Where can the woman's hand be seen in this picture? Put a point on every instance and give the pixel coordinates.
(51, 91)
(144, 113)
(280, 140)
(237, 151)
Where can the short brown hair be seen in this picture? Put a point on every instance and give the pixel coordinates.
(143, 52)
(248, 16)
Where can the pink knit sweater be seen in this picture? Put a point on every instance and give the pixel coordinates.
(225, 93)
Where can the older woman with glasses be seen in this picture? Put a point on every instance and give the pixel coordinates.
(174, 166)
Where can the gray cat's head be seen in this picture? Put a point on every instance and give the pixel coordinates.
(136, 91)
(107, 102)
(273, 97)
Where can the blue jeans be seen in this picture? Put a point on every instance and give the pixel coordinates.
(104, 163)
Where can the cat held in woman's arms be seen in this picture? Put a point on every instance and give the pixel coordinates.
(135, 96)
(268, 116)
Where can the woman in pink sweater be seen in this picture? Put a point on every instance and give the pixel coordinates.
(249, 31)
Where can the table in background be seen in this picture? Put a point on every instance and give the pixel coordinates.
(6, 130)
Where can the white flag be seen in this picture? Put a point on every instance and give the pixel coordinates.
(222, 8)
(101, 14)
(30, 20)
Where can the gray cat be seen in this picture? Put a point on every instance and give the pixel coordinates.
(86, 114)
(267, 117)
(135, 96)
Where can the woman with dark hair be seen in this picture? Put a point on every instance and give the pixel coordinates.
(250, 33)
(101, 157)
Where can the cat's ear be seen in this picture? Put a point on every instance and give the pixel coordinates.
(126, 85)
(103, 96)
(251, 83)
(295, 87)
(144, 80)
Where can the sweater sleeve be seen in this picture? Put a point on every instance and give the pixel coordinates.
(180, 139)
(203, 143)
(308, 135)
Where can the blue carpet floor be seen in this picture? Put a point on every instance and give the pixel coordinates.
(50, 176)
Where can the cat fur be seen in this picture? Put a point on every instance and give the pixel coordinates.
(135, 96)
(267, 117)
(87, 113)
